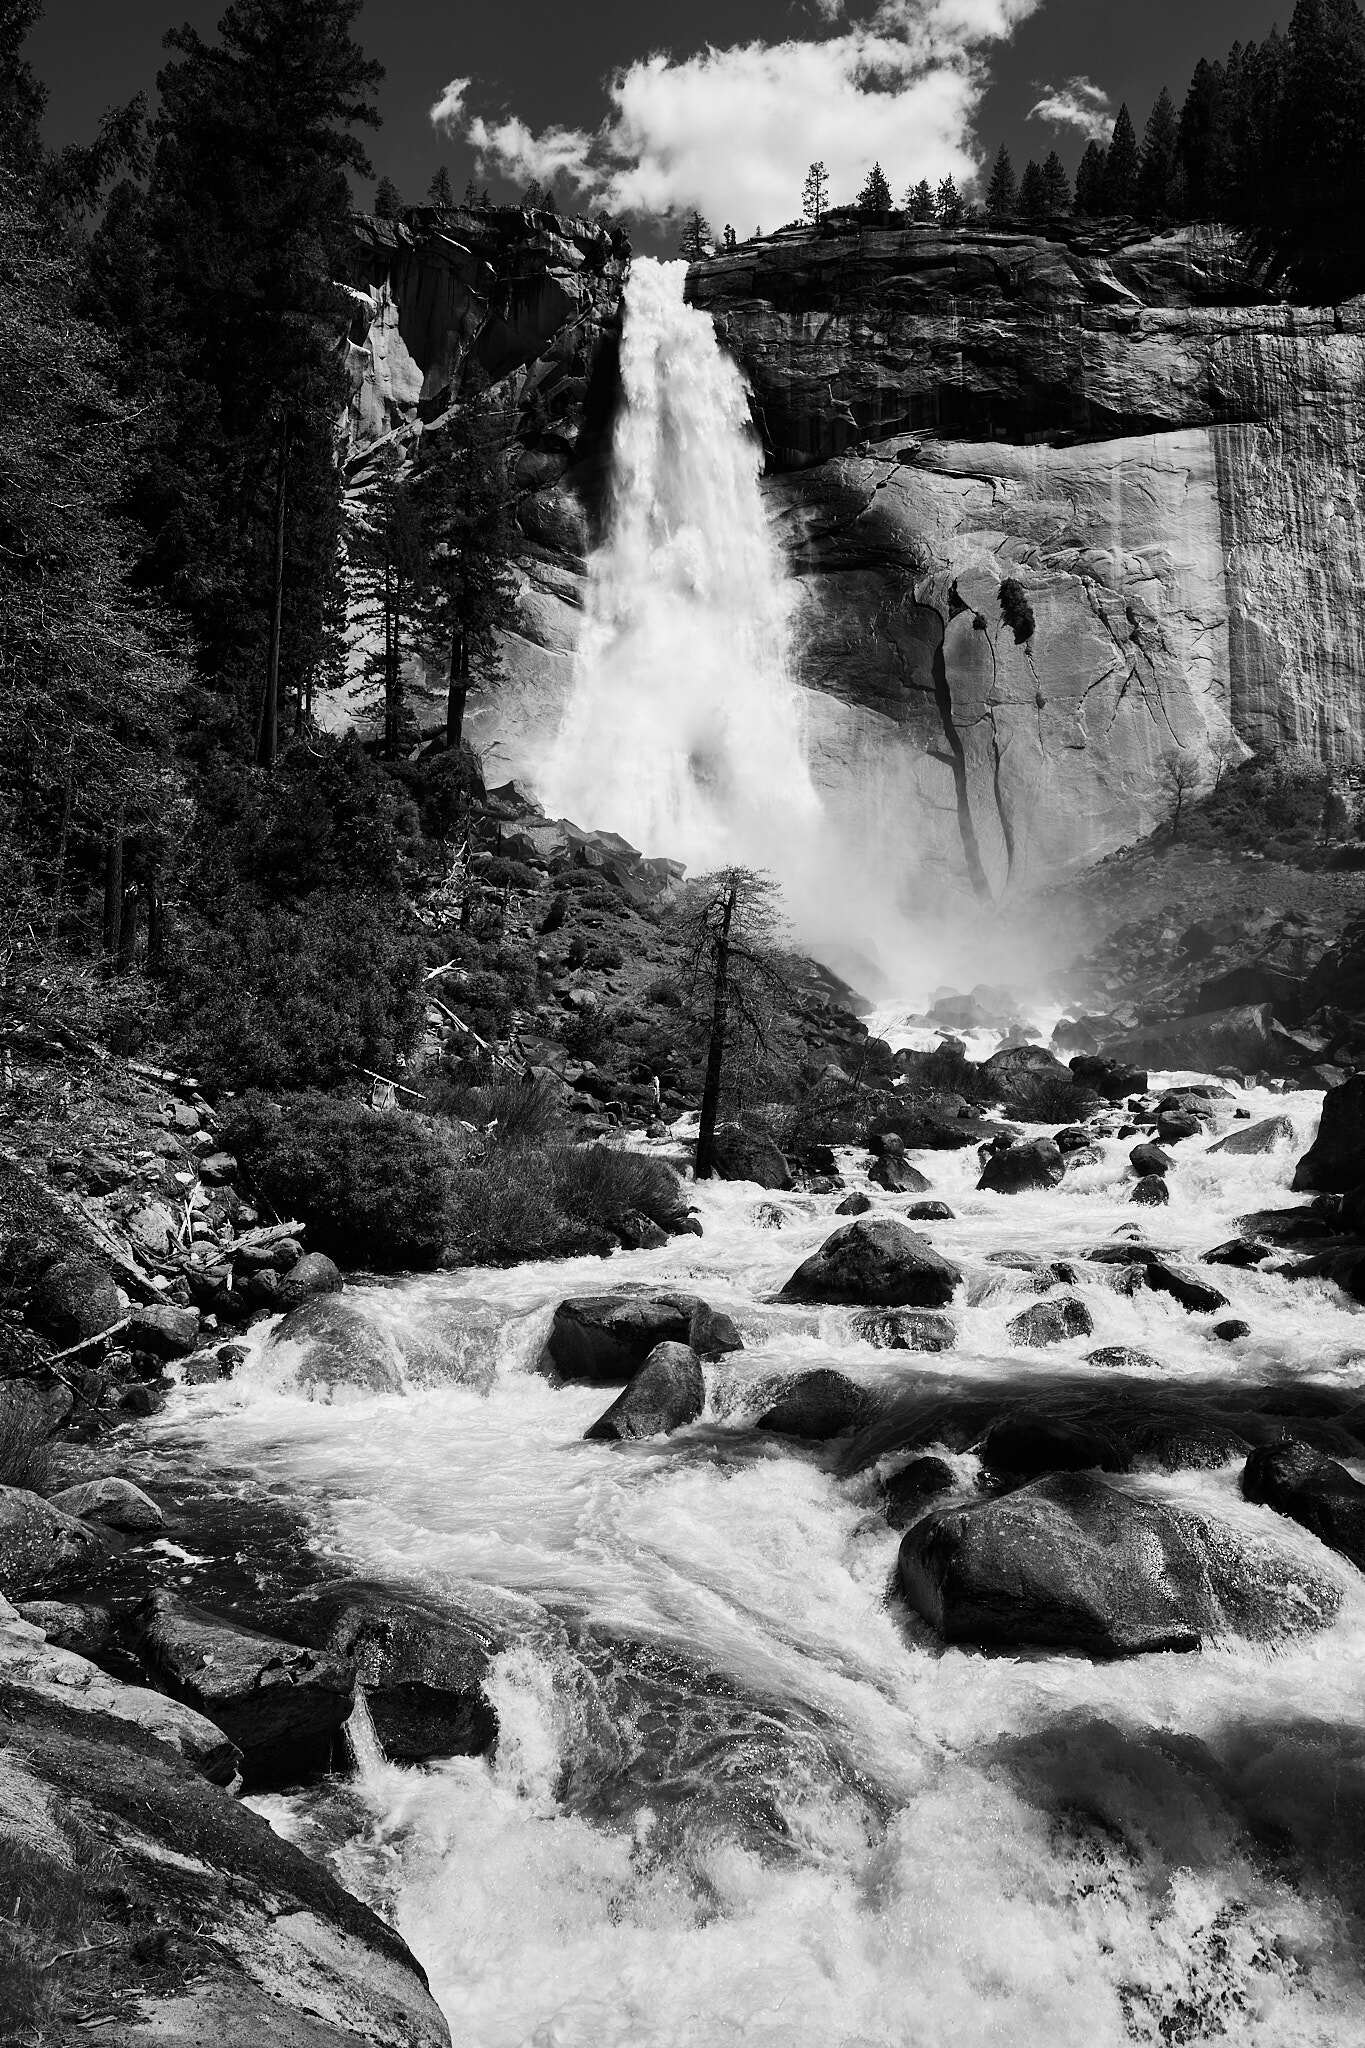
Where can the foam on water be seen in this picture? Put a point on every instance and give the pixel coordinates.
(740, 1794)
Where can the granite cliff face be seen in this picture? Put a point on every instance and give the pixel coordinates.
(1166, 464)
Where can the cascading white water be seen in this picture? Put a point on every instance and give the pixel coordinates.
(682, 729)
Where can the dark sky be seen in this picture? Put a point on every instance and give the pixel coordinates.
(548, 61)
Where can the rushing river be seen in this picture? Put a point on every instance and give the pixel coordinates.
(740, 1793)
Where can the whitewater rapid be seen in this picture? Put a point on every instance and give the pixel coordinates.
(740, 1794)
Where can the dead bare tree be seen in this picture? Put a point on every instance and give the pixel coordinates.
(736, 973)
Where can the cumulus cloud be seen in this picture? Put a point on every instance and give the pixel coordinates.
(732, 130)
(1080, 104)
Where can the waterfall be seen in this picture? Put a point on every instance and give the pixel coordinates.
(367, 1752)
(682, 729)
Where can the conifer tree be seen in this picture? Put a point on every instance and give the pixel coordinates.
(1320, 192)
(815, 194)
(874, 201)
(919, 201)
(1090, 181)
(1160, 166)
(1203, 144)
(1033, 192)
(464, 500)
(696, 240)
(389, 559)
(1056, 187)
(1121, 166)
(248, 221)
(440, 192)
(949, 201)
(388, 200)
(1002, 193)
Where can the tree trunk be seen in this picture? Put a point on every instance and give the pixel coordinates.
(63, 840)
(113, 894)
(268, 730)
(156, 923)
(715, 1052)
(458, 695)
(127, 937)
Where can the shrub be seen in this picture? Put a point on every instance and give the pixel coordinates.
(1049, 1099)
(25, 1432)
(524, 1112)
(296, 997)
(522, 1202)
(372, 1187)
(501, 872)
(1016, 611)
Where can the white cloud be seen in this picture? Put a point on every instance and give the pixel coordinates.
(1081, 104)
(732, 131)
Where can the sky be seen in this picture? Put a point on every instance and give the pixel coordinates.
(718, 104)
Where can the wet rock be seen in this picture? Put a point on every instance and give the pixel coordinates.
(313, 1274)
(1173, 1126)
(281, 1703)
(1315, 1491)
(112, 1503)
(897, 1176)
(928, 1212)
(640, 1233)
(144, 1401)
(908, 1492)
(1123, 1358)
(856, 1204)
(875, 1262)
(1091, 1156)
(40, 1546)
(1033, 1164)
(74, 1300)
(817, 1406)
(1196, 1296)
(1151, 1192)
(1175, 1444)
(1146, 1159)
(338, 1347)
(1051, 1322)
(665, 1394)
(1114, 1081)
(72, 1625)
(1228, 1332)
(1335, 1161)
(1024, 1447)
(1073, 1563)
(604, 1338)
(712, 1334)
(164, 1331)
(424, 1666)
(751, 1156)
(1237, 1251)
(1240, 1038)
(1257, 1138)
(1073, 1140)
(905, 1329)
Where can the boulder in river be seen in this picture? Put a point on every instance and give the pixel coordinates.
(1166, 1276)
(897, 1176)
(1148, 1158)
(75, 1299)
(1051, 1322)
(713, 1334)
(1035, 1163)
(875, 1262)
(911, 1490)
(113, 1503)
(1025, 1446)
(665, 1394)
(927, 1212)
(750, 1156)
(603, 1339)
(313, 1274)
(817, 1406)
(163, 1330)
(905, 1329)
(1311, 1489)
(1241, 1038)
(1173, 1126)
(281, 1703)
(1254, 1139)
(1074, 1563)
(1335, 1161)
(1123, 1358)
(40, 1545)
(855, 1204)
(1151, 1192)
(339, 1347)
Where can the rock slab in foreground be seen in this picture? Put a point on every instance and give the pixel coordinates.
(875, 1262)
(1072, 1563)
(40, 1546)
(1335, 1161)
(666, 1394)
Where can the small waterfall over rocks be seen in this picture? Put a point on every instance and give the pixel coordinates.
(683, 727)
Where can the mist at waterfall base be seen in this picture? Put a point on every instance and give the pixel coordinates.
(741, 1793)
(684, 729)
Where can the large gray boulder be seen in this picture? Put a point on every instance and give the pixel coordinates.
(605, 1338)
(1242, 1038)
(112, 1503)
(163, 1330)
(314, 1274)
(1253, 1139)
(334, 1345)
(74, 1300)
(1035, 1163)
(1073, 1563)
(1051, 1322)
(281, 1703)
(817, 1406)
(906, 1329)
(897, 1176)
(875, 1262)
(665, 1394)
(40, 1545)
(751, 1156)
(1311, 1489)
(1335, 1161)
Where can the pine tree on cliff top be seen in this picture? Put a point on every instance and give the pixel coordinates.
(1121, 166)
(1056, 187)
(874, 201)
(814, 194)
(919, 201)
(1090, 181)
(950, 203)
(696, 239)
(440, 192)
(1319, 194)
(249, 222)
(1033, 193)
(1002, 194)
(1204, 143)
(1159, 187)
(388, 200)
